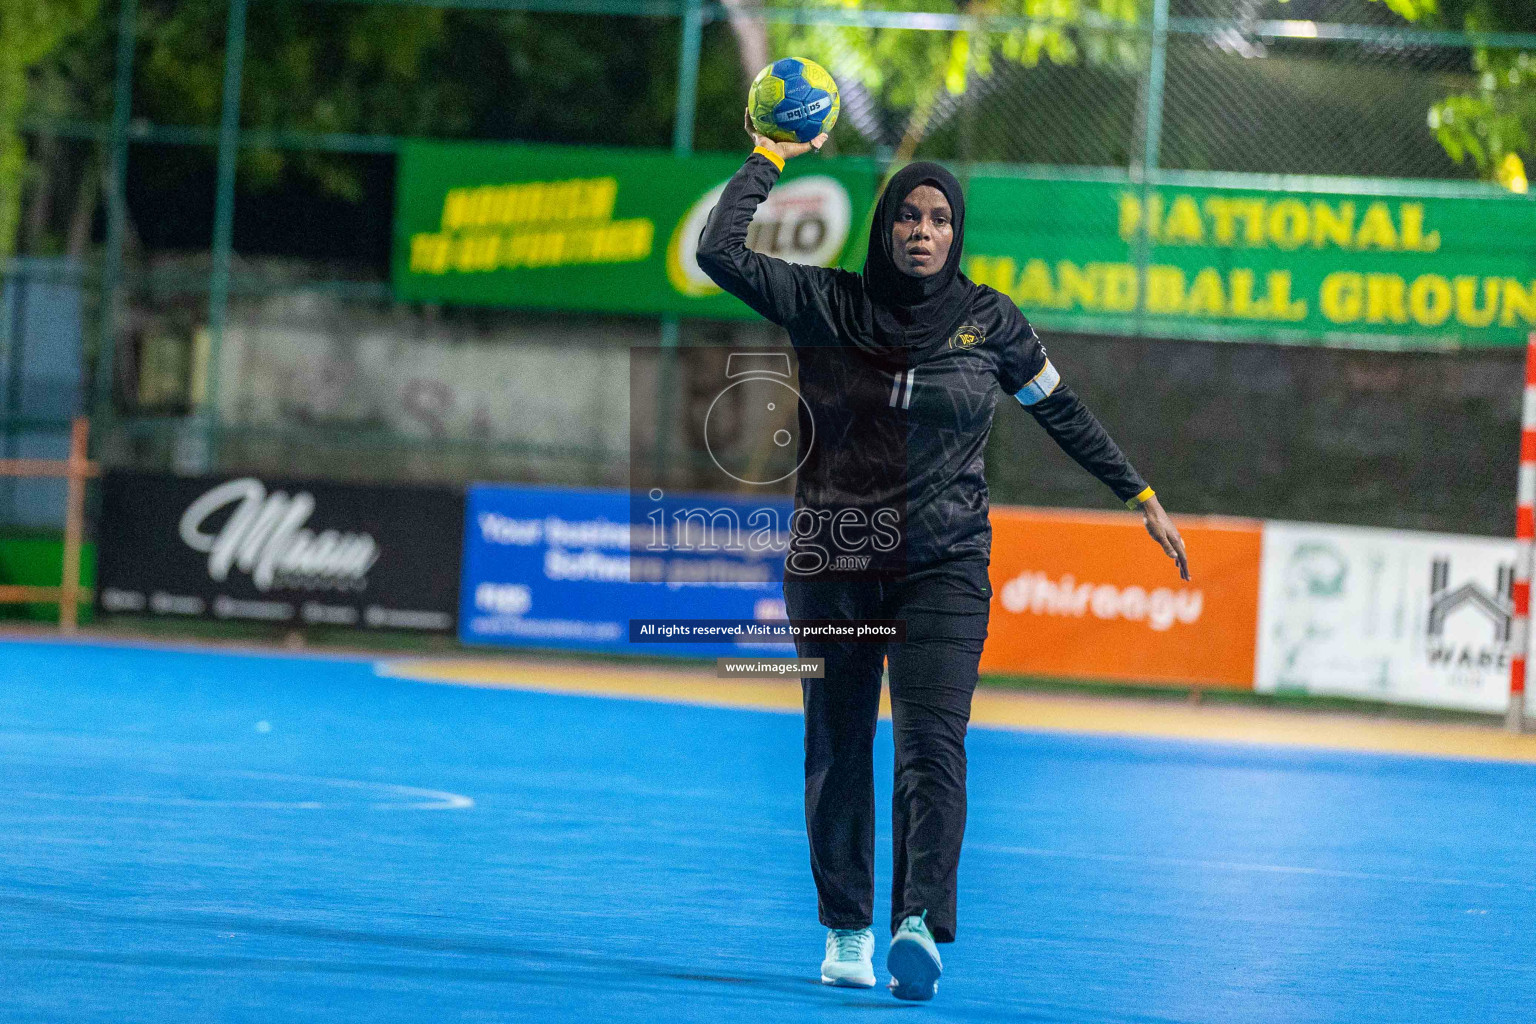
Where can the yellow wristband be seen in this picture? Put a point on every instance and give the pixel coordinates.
(773, 157)
(1140, 499)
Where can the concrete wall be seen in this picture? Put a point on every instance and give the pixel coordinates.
(1414, 441)
(315, 385)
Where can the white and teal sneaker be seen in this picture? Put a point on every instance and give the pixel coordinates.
(914, 961)
(850, 958)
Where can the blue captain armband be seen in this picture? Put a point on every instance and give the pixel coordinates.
(1040, 388)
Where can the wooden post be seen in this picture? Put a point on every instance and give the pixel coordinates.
(75, 470)
(74, 524)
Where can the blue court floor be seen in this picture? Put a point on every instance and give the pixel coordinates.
(207, 836)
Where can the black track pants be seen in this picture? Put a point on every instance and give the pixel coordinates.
(933, 675)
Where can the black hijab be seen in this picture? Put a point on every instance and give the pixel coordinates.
(907, 311)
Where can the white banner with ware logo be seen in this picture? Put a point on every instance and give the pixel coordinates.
(1389, 615)
(290, 552)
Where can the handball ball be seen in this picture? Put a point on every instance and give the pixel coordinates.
(793, 100)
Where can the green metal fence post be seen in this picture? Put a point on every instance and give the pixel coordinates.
(1157, 71)
(223, 216)
(13, 286)
(692, 30)
(117, 208)
(688, 77)
(1151, 154)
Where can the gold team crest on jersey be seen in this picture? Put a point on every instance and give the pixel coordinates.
(968, 336)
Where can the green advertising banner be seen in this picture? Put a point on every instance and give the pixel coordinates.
(1376, 269)
(601, 230)
(1391, 264)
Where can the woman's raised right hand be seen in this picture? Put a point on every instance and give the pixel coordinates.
(785, 150)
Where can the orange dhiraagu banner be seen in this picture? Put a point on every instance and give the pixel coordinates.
(1089, 595)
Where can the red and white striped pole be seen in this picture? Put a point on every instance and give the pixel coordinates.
(1525, 534)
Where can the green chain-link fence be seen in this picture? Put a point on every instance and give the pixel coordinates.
(1141, 88)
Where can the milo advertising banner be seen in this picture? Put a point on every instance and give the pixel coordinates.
(599, 229)
(1384, 267)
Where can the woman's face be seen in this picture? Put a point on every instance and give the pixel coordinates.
(923, 231)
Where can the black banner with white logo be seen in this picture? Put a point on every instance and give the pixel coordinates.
(289, 552)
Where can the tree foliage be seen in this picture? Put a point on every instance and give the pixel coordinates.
(365, 69)
(1494, 124)
(1413, 10)
(908, 71)
(30, 31)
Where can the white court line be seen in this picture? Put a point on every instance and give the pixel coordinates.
(418, 799)
(1224, 865)
(174, 801)
(427, 799)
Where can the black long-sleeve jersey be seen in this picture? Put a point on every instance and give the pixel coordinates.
(900, 428)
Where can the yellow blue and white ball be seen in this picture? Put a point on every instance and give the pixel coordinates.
(793, 100)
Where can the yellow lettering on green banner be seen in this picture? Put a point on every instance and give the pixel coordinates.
(1342, 297)
(1468, 312)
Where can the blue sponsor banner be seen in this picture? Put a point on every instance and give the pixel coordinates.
(556, 567)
